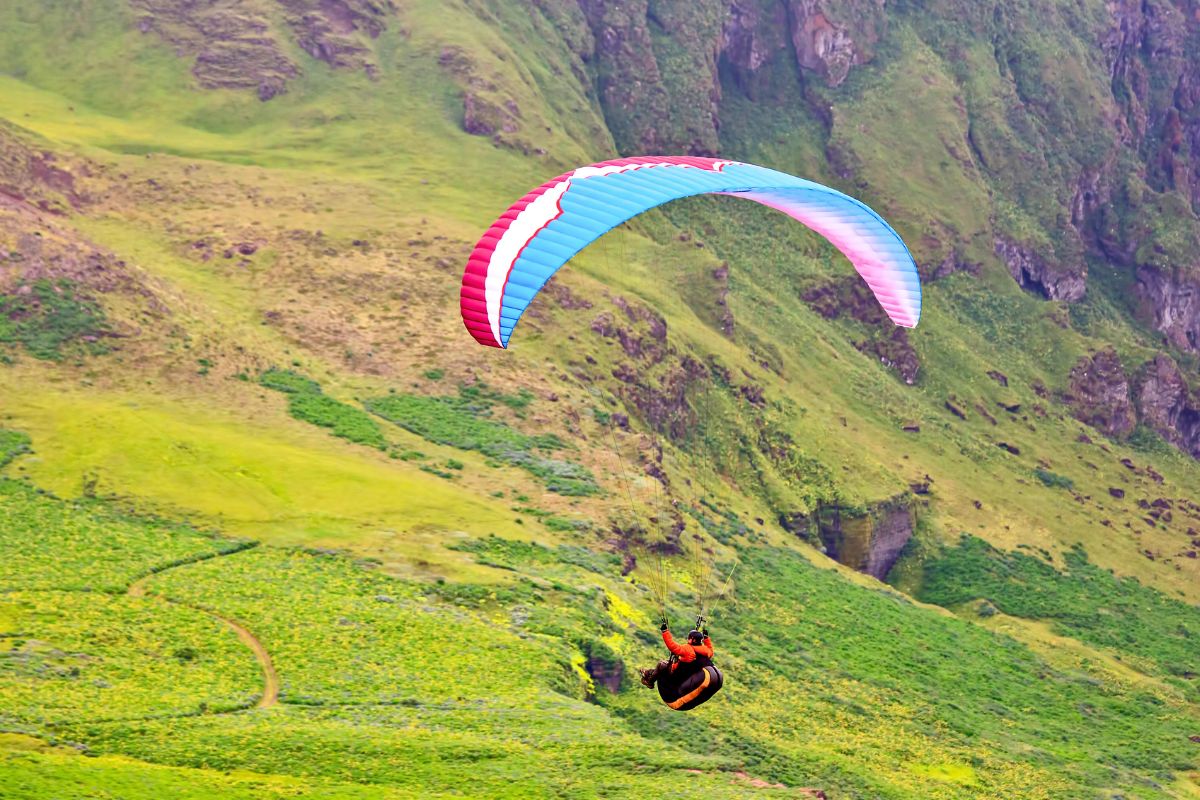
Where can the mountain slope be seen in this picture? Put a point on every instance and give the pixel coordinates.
(195, 201)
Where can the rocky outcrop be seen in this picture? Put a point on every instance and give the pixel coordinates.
(830, 38)
(755, 36)
(824, 38)
(657, 64)
(487, 109)
(657, 99)
(232, 44)
(1036, 273)
(37, 179)
(663, 404)
(1167, 405)
(724, 313)
(1151, 226)
(848, 296)
(327, 30)
(1171, 299)
(868, 542)
(37, 190)
(235, 47)
(654, 378)
(607, 673)
(1099, 394)
(895, 352)
(852, 298)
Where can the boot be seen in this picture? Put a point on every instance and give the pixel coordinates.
(648, 677)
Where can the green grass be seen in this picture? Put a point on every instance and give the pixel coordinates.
(308, 403)
(463, 421)
(553, 748)
(50, 544)
(516, 555)
(417, 685)
(970, 121)
(30, 770)
(67, 657)
(1082, 601)
(253, 474)
(818, 670)
(1053, 480)
(380, 642)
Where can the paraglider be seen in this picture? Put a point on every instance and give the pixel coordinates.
(545, 228)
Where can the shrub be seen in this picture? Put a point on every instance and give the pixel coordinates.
(49, 316)
(463, 422)
(308, 403)
(12, 444)
(1053, 480)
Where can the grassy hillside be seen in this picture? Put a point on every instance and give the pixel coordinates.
(273, 526)
(393, 685)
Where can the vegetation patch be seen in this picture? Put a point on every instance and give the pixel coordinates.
(1083, 601)
(829, 684)
(12, 444)
(725, 528)
(1053, 479)
(308, 403)
(512, 554)
(380, 640)
(46, 316)
(464, 421)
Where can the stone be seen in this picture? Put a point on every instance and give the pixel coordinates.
(1037, 273)
(1099, 394)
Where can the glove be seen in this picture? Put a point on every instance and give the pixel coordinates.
(664, 627)
(705, 632)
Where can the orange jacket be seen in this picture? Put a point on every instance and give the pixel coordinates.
(687, 652)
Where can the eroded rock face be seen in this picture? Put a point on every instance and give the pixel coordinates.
(231, 42)
(1099, 394)
(870, 543)
(1172, 300)
(754, 36)
(1037, 274)
(831, 38)
(658, 96)
(895, 352)
(1167, 405)
(851, 297)
(1150, 44)
(661, 92)
(326, 29)
(235, 47)
(607, 674)
(725, 314)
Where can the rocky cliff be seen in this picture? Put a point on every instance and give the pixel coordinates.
(1092, 155)
(869, 541)
(1167, 404)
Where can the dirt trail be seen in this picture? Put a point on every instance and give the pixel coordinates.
(270, 691)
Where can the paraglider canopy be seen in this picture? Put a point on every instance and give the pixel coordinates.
(545, 228)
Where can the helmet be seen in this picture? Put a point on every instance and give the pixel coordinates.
(695, 637)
